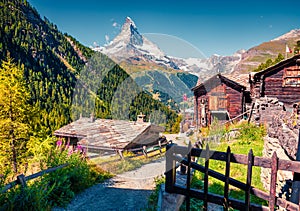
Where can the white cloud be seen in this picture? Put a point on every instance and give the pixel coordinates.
(115, 24)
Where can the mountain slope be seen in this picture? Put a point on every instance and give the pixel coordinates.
(267, 50)
(52, 65)
(150, 67)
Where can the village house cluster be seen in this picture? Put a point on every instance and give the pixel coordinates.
(227, 98)
(233, 97)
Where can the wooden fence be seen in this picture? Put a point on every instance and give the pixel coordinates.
(21, 179)
(178, 154)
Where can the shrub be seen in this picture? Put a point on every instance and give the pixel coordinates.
(250, 133)
(32, 197)
(77, 176)
(56, 188)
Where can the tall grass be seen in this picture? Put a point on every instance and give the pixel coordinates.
(251, 137)
(56, 188)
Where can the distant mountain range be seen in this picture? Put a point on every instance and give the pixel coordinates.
(135, 53)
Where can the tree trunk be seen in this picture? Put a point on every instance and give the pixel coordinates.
(13, 139)
(14, 152)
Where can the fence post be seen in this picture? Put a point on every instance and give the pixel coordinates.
(145, 151)
(274, 168)
(206, 177)
(227, 174)
(188, 178)
(120, 153)
(296, 180)
(21, 180)
(170, 168)
(159, 144)
(249, 178)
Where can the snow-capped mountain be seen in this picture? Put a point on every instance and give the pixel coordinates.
(211, 65)
(130, 46)
(288, 36)
(136, 52)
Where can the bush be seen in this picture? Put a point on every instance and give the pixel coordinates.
(56, 188)
(250, 133)
(77, 176)
(33, 197)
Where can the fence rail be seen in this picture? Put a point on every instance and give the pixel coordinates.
(21, 179)
(182, 155)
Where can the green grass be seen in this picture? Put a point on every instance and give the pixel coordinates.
(251, 137)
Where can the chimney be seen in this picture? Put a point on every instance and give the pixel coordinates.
(140, 117)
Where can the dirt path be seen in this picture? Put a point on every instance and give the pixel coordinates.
(127, 191)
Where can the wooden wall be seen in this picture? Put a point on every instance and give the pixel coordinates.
(220, 98)
(273, 87)
(234, 102)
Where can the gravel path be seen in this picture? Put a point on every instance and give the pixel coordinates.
(127, 191)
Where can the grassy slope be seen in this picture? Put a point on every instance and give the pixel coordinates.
(267, 50)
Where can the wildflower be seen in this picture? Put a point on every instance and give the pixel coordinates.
(70, 152)
(79, 148)
(59, 143)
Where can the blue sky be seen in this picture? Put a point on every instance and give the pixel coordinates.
(213, 27)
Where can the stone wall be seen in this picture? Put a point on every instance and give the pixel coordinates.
(270, 146)
(280, 124)
(282, 138)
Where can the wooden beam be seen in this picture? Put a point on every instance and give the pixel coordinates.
(248, 182)
(205, 207)
(227, 175)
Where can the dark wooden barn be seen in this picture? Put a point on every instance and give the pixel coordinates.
(219, 97)
(281, 81)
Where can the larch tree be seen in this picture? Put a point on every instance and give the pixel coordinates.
(14, 114)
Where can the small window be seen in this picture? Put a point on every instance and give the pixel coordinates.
(291, 77)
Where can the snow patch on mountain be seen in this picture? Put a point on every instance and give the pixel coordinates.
(291, 34)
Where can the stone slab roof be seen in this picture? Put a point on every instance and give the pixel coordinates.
(109, 133)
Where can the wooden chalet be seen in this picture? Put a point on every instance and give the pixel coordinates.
(281, 81)
(219, 97)
(100, 135)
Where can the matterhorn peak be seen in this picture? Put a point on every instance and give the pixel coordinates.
(130, 21)
(129, 43)
(129, 33)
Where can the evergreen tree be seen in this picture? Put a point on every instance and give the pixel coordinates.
(269, 63)
(14, 114)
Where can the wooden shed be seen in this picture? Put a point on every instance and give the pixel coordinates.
(104, 135)
(281, 81)
(219, 97)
